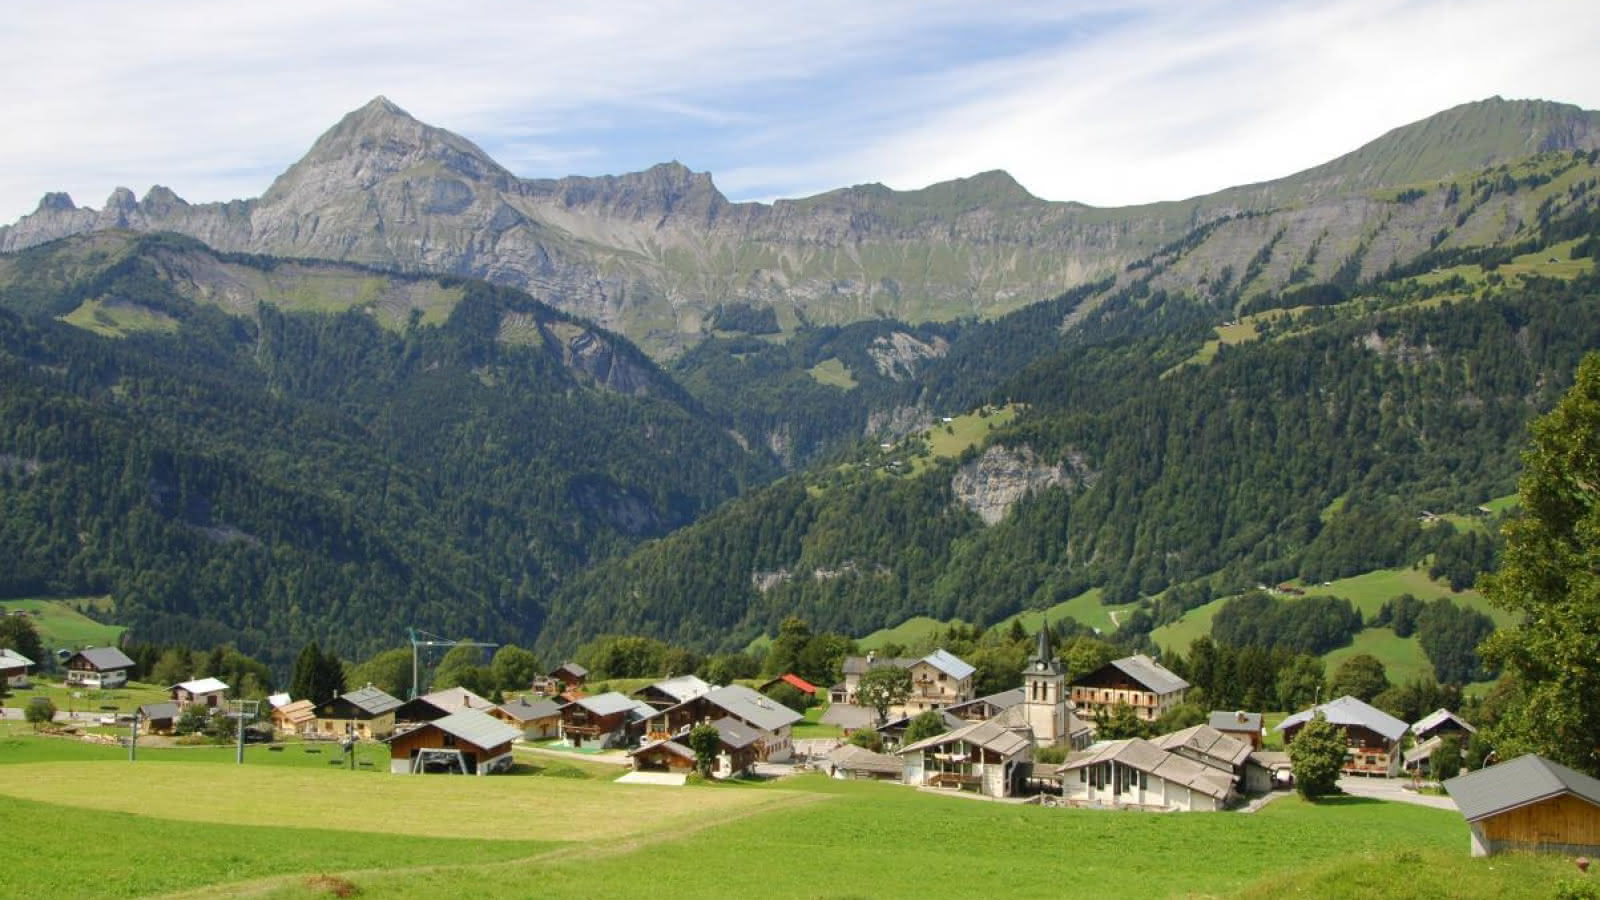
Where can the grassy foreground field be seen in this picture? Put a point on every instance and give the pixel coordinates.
(104, 828)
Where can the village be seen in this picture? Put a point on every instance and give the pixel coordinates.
(1039, 743)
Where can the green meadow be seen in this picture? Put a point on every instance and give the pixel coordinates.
(97, 827)
(61, 624)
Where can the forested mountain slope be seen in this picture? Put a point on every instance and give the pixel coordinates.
(229, 470)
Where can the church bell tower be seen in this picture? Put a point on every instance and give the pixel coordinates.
(1044, 693)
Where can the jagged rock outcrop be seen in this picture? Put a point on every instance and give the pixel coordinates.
(651, 253)
(991, 484)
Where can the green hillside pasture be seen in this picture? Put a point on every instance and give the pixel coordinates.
(64, 853)
(1402, 657)
(832, 372)
(913, 632)
(60, 625)
(1369, 591)
(1085, 609)
(113, 319)
(1192, 624)
(866, 839)
(948, 440)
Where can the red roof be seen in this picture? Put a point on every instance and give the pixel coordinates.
(800, 684)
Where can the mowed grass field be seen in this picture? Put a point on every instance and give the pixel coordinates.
(114, 829)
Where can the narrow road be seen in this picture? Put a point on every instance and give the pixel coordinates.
(1392, 789)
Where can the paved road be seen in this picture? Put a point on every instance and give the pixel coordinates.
(1395, 789)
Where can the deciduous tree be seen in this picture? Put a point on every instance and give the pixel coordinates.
(1315, 757)
(1361, 676)
(884, 687)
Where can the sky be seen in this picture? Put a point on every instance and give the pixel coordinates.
(1109, 103)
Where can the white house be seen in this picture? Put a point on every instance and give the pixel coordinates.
(1135, 773)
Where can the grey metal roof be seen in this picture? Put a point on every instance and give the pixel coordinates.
(1226, 720)
(845, 715)
(371, 700)
(951, 721)
(8, 664)
(988, 735)
(8, 653)
(948, 663)
(106, 658)
(745, 703)
(476, 727)
(734, 733)
(1150, 673)
(571, 668)
(1519, 782)
(672, 747)
(167, 710)
(1137, 753)
(1347, 710)
(851, 758)
(455, 699)
(1001, 700)
(1208, 742)
(521, 709)
(681, 688)
(607, 704)
(1439, 717)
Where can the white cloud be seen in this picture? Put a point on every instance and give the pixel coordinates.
(1108, 103)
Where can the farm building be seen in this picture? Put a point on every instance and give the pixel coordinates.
(1135, 773)
(672, 691)
(295, 717)
(367, 713)
(208, 692)
(470, 742)
(439, 704)
(1529, 804)
(1372, 736)
(850, 761)
(938, 680)
(772, 720)
(14, 667)
(1246, 726)
(569, 676)
(1139, 681)
(1441, 722)
(604, 720)
(737, 746)
(984, 757)
(795, 681)
(98, 667)
(1223, 752)
(159, 718)
(663, 756)
(538, 719)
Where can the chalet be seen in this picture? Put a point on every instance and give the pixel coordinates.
(14, 667)
(439, 704)
(737, 747)
(208, 692)
(1139, 681)
(469, 741)
(983, 756)
(1441, 722)
(1223, 752)
(569, 676)
(938, 680)
(672, 691)
(663, 756)
(1372, 736)
(538, 719)
(772, 720)
(604, 720)
(159, 718)
(1529, 804)
(1135, 773)
(795, 681)
(296, 717)
(98, 667)
(849, 761)
(1246, 726)
(367, 713)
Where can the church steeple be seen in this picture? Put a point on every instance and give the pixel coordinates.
(1043, 661)
(1044, 692)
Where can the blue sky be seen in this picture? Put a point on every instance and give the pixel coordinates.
(1109, 103)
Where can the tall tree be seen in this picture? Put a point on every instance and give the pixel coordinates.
(303, 682)
(17, 633)
(1315, 757)
(1548, 573)
(1361, 676)
(883, 687)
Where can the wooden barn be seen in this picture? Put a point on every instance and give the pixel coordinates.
(159, 718)
(1529, 804)
(469, 742)
(663, 756)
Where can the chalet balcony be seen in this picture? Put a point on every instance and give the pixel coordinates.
(954, 780)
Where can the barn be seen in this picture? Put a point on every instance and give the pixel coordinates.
(469, 742)
(1529, 804)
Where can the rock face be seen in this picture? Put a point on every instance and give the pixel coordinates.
(991, 484)
(652, 253)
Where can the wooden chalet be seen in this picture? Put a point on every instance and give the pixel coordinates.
(1441, 722)
(1372, 736)
(1139, 681)
(367, 713)
(98, 667)
(792, 680)
(1529, 804)
(538, 719)
(159, 718)
(663, 756)
(983, 757)
(15, 668)
(1246, 726)
(670, 692)
(604, 720)
(439, 704)
(565, 678)
(468, 742)
(772, 721)
(737, 747)
(211, 693)
(1135, 773)
(295, 717)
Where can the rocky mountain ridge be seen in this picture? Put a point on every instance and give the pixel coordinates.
(653, 254)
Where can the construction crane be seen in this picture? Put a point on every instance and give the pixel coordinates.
(420, 639)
